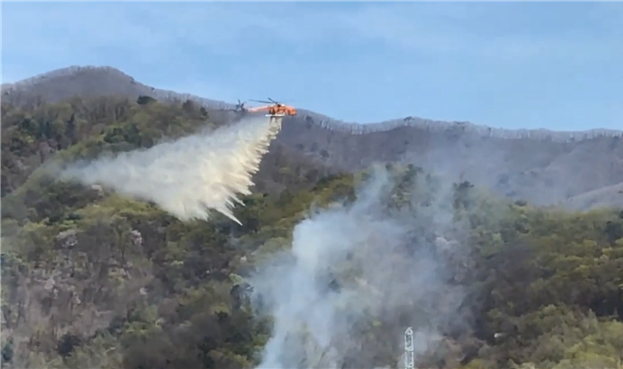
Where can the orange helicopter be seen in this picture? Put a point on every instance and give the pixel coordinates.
(276, 109)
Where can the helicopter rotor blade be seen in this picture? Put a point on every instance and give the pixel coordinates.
(263, 101)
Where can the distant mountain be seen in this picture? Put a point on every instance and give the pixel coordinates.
(611, 196)
(542, 166)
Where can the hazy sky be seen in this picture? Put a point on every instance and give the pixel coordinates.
(512, 65)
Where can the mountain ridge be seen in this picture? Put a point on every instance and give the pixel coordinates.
(95, 279)
(541, 166)
(333, 124)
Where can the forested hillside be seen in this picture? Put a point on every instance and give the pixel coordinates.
(540, 166)
(94, 280)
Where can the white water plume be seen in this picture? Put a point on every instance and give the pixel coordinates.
(191, 175)
(355, 278)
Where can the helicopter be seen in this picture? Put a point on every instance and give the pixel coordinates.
(275, 109)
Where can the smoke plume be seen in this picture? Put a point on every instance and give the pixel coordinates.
(356, 277)
(189, 176)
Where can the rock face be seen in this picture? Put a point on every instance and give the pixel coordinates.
(542, 166)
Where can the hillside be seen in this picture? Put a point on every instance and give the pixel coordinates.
(540, 166)
(33, 136)
(93, 279)
(606, 196)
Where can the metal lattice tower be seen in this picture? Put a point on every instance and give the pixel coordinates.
(409, 356)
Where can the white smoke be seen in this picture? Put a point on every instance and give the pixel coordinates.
(385, 274)
(191, 175)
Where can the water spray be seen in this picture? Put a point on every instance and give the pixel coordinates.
(189, 176)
